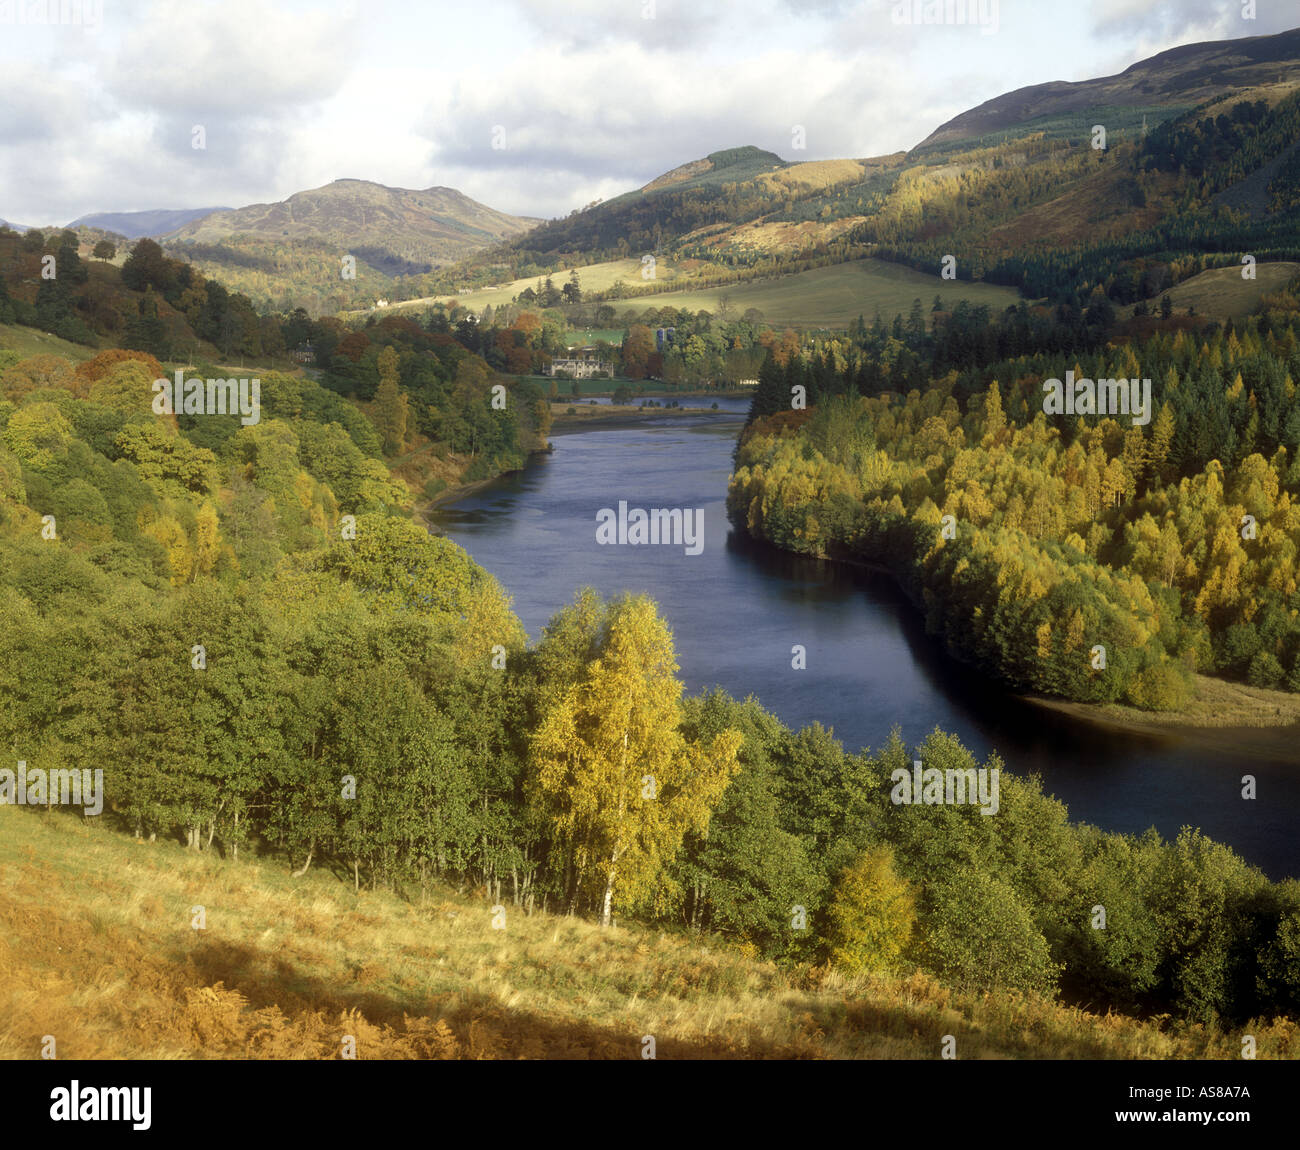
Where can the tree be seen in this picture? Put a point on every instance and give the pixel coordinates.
(105, 250)
(638, 343)
(35, 372)
(771, 395)
(871, 914)
(391, 406)
(145, 332)
(147, 267)
(977, 935)
(741, 876)
(613, 777)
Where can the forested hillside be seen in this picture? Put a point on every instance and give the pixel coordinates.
(1032, 539)
(367, 705)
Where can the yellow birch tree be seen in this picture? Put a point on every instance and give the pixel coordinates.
(613, 776)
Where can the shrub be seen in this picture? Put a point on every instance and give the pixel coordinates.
(871, 914)
(1161, 687)
(1264, 670)
(979, 936)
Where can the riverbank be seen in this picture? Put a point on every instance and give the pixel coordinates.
(456, 491)
(604, 416)
(1221, 717)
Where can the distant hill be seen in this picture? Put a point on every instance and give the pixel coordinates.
(13, 226)
(733, 186)
(715, 169)
(1015, 186)
(1181, 77)
(396, 230)
(135, 225)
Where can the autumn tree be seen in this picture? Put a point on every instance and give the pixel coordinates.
(638, 344)
(613, 777)
(871, 914)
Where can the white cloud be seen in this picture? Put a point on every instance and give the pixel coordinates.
(237, 58)
(593, 99)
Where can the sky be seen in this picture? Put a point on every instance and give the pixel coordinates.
(534, 107)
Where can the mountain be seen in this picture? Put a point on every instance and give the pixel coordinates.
(14, 227)
(134, 225)
(716, 168)
(395, 230)
(1181, 77)
(1019, 186)
(733, 186)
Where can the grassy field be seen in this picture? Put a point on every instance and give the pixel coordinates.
(834, 296)
(97, 949)
(594, 277)
(824, 297)
(1223, 294)
(27, 341)
(592, 334)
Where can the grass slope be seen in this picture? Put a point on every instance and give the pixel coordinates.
(97, 949)
(593, 277)
(29, 341)
(833, 296)
(1223, 294)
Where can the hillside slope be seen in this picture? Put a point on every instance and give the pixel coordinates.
(114, 968)
(134, 225)
(1187, 75)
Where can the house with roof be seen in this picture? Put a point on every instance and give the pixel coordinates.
(580, 363)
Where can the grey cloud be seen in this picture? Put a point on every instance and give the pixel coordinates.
(1185, 21)
(36, 106)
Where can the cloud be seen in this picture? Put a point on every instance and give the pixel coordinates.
(1172, 22)
(34, 109)
(240, 58)
(575, 132)
(675, 25)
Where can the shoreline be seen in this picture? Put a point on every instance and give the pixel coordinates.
(1273, 732)
(589, 416)
(456, 491)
